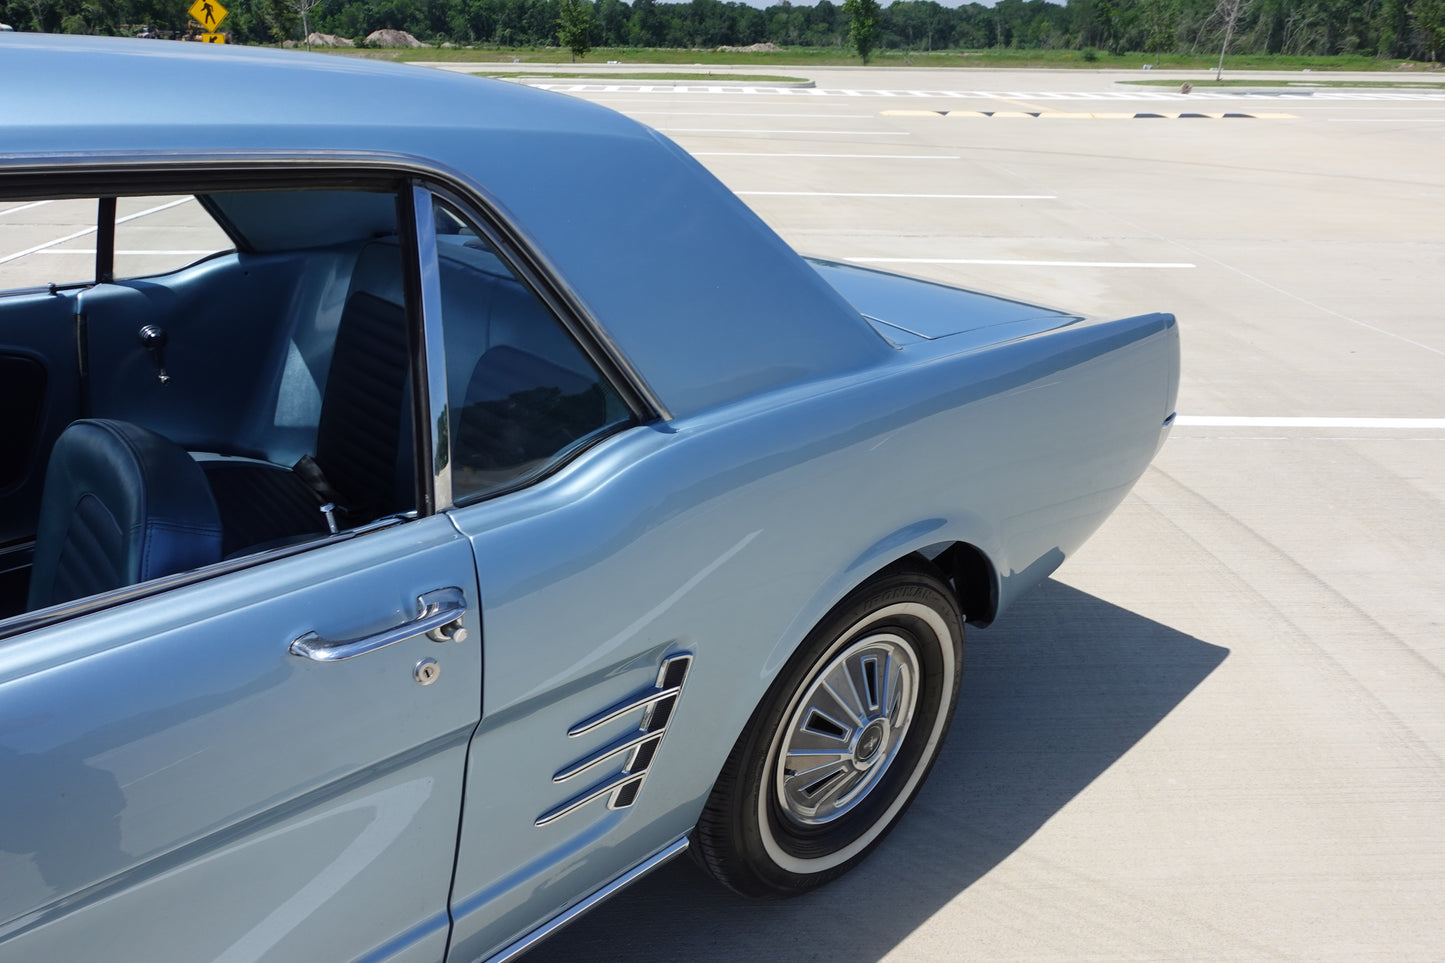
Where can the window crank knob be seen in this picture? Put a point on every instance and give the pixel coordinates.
(153, 338)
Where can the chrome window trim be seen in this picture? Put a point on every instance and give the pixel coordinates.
(55, 614)
(514, 261)
(560, 459)
(519, 255)
(430, 417)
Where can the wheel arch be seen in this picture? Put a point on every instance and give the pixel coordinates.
(723, 849)
(962, 565)
(973, 577)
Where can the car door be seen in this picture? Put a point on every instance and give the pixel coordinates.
(181, 786)
(259, 759)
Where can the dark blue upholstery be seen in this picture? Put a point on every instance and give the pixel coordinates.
(262, 504)
(363, 441)
(358, 442)
(121, 505)
(362, 460)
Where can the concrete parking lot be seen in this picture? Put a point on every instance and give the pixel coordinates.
(1217, 732)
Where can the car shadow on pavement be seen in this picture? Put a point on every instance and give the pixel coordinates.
(1051, 698)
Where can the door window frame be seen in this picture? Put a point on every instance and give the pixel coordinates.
(25, 179)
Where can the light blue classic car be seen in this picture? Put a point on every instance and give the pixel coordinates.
(427, 504)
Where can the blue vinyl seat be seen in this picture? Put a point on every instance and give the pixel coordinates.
(121, 505)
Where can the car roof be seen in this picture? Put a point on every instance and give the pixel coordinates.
(173, 84)
(700, 296)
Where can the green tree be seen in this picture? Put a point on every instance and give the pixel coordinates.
(612, 22)
(1429, 16)
(1161, 19)
(862, 25)
(645, 27)
(574, 26)
(785, 23)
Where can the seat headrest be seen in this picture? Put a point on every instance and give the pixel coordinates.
(121, 505)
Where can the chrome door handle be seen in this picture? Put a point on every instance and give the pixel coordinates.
(439, 615)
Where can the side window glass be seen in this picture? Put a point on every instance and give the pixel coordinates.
(523, 395)
(197, 412)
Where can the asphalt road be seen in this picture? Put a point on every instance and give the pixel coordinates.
(1217, 732)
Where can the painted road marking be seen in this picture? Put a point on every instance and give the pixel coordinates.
(23, 207)
(1230, 421)
(746, 113)
(744, 130)
(1075, 115)
(91, 251)
(91, 230)
(1078, 95)
(954, 197)
(1006, 263)
(740, 153)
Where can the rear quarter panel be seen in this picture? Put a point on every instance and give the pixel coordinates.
(729, 535)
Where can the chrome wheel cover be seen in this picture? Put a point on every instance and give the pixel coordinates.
(846, 728)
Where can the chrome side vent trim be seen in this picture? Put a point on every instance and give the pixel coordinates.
(640, 745)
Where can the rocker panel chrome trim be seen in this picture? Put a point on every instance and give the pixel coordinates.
(518, 947)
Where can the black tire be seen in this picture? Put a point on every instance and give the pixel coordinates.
(770, 829)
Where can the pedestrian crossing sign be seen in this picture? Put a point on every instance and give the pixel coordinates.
(209, 14)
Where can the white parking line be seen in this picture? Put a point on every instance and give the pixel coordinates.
(745, 130)
(91, 230)
(1232, 421)
(769, 153)
(91, 251)
(748, 113)
(23, 207)
(957, 197)
(1009, 263)
(1426, 96)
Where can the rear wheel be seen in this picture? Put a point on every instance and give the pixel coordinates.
(842, 741)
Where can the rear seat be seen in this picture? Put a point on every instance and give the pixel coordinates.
(501, 344)
(362, 459)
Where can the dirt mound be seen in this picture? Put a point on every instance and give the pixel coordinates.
(751, 48)
(392, 38)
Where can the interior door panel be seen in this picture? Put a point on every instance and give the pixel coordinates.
(39, 384)
(227, 327)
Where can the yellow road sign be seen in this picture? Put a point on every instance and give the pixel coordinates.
(213, 38)
(209, 14)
